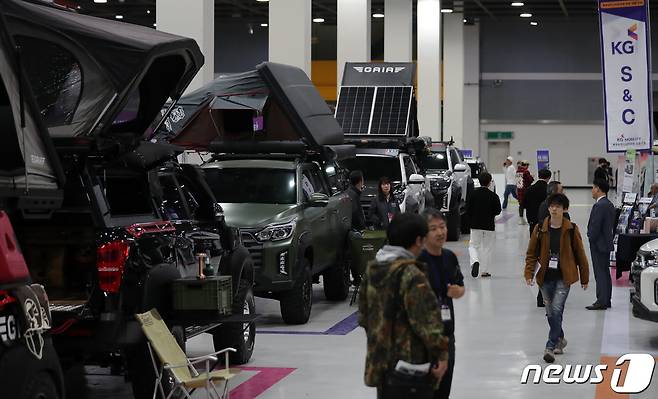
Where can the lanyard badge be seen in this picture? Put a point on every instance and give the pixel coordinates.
(553, 261)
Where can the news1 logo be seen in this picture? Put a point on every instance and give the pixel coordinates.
(637, 379)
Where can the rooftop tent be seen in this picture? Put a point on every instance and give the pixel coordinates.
(28, 162)
(94, 77)
(274, 103)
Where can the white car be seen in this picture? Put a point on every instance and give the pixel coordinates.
(644, 273)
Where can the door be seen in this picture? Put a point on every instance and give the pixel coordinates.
(319, 218)
(498, 151)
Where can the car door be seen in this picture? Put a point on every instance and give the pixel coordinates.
(460, 177)
(319, 220)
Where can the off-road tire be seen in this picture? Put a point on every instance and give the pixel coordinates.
(296, 304)
(336, 279)
(41, 386)
(232, 335)
(454, 222)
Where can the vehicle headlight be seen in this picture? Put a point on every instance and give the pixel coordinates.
(276, 232)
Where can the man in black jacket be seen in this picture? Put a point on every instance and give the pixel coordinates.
(354, 192)
(482, 206)
(535, 195)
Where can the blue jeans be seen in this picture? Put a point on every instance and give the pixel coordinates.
(555, 295)
(509, 189)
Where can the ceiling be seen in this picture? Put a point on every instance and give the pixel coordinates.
(251, 11)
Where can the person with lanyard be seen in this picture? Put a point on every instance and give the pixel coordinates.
(384, 206)
(556, 247)
(447, 282)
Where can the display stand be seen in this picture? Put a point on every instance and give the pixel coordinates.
(625, 217)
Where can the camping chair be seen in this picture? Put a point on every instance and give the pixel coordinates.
(173, 360)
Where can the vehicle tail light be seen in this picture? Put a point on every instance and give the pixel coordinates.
(110, 261)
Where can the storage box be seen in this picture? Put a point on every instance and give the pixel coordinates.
(214, 293)
(364, 248)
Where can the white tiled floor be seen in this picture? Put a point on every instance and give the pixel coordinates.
(499, 331)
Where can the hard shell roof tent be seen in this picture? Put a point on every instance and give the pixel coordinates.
(30, 173)
(275, 108)
(97, 82)
(377, 104)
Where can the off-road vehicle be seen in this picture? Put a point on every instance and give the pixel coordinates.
(112, 250)
(274, 140)
(644, 274)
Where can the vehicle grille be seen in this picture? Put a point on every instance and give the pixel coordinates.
(636, 271)
(254, 247)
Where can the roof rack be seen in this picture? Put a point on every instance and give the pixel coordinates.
(279, 150)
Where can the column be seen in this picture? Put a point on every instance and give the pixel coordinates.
(194, 19)
(290, 33)
(353, 34)
(453, 80)
(398, 30)
(472, 88)
(429, 64)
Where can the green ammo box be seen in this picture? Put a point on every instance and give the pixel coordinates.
(365, 248)
(214, 293)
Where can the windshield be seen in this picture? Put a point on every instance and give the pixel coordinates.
(436, 161)
(253, 185)
(375, 167)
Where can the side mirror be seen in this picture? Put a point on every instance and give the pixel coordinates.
(416, 179)
(318, 200)
(460, 168)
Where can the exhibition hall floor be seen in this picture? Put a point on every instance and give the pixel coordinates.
(499, 331)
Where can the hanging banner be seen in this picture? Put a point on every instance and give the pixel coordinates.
(626, 57)
(629, 171)
(543, 159)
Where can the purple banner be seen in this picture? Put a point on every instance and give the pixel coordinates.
(543, 159)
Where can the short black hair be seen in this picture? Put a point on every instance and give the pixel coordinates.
(559, 199)
(602, 185)
(356, 176)
(602, 161)
(432, 213)
(544, 174)
(405, 228)
(485, 179)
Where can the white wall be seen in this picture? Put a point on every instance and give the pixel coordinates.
(570, 146)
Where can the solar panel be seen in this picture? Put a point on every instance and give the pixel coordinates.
(354, 109)
(391, 111)
(374, 110)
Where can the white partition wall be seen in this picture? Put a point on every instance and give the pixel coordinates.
(429, 64)
(290, 33)
(398, 30)
(453, 80)
(353, 33)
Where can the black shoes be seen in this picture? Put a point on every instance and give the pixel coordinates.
(475, 269)
(596, 306)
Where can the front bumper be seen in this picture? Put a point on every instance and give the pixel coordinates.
(642, 312)
(273, 263)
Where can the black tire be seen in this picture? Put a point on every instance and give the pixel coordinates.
(239, 336)
(454, 229)
(41, 386)
(336, 279)
(296, 304)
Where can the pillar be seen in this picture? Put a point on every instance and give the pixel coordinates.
(398, 30)
(429, 64)
(353, 33)
(194, 19)
(472, 88)
(290, 33)
(453, 79)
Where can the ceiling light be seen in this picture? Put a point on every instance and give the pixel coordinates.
(517, 4)
(148, 11)
(262, 1)
(447, 6)
(264, 25)
(155, 25)
(318, 20)
(378, 15)
(534, 23)
(446, 10)
(525, 15)
(100, 1)
(464, 20)
(118, 16)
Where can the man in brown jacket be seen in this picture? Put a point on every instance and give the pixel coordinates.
(556, 247)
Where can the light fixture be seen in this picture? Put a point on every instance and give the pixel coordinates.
(155, 25)
(534, 23)
(262, 1)
(447, 7)
(378, 15)
(318, 20)
(100, 1)
(517, 4)
(264, 25)
(148, 11)
(464, 20)
(118, 16)
(525, 15)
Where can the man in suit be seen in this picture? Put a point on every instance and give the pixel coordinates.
(535, 195)
(600, 230)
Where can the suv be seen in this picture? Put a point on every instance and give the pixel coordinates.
(450, 182)
(111, 250)
(477, 167)
(644, 274)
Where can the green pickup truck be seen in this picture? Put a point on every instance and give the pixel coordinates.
(292, 223)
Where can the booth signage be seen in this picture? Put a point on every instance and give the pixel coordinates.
(500, 135)
(467, 152)
(543, 159)
(626, 57)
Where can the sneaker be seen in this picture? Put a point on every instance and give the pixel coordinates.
(475, 269)
(559, 349)
(549, 355)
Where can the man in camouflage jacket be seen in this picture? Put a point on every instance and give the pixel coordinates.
(397, 306)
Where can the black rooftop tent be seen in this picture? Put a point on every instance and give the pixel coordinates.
(94, 77)
(275, 103)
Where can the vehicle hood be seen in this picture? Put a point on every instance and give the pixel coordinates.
(649, 247)
(113, 63)
(257, 215)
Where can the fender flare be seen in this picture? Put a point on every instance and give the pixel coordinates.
(240, 266)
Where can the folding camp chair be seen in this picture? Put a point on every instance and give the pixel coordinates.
(173, 360)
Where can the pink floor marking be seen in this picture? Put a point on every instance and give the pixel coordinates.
(261, 382)
(623, 280)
